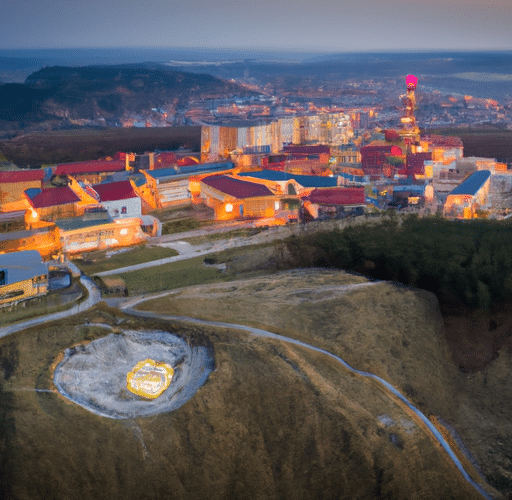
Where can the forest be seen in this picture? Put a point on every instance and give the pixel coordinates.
(465, 263)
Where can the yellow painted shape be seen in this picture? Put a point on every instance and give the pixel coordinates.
(149, 378)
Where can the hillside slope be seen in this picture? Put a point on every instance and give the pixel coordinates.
(273, 420)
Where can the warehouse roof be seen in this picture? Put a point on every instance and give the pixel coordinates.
(236, 187)
(21, 176)
(21, 266)
(472, 184)
(90, 167)
(189, 170)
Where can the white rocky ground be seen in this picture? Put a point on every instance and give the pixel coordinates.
(93, 375)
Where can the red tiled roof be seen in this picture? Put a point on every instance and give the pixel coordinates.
(53, 197)
(90, 167)
(236, 187)
(337, 196)
(21, 176)
(112, 191)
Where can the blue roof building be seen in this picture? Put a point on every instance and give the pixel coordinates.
(306, 181)
(469, 196)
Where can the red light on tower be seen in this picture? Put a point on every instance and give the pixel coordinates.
(411, 82)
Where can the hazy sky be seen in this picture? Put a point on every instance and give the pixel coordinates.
(333, 25)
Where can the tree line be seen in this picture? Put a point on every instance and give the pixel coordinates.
(462, 262)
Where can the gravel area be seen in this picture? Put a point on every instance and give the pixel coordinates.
(93, 375)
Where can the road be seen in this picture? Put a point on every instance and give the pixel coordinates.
(93, 298)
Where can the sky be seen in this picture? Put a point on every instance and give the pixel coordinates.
(303, 25)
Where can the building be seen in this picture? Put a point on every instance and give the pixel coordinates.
(97, 231)
(119, 199)
(177, 185)
(233, 198)
(469, 196)
(92, 172)
(23, 275)
(334, 202)
(239, 136)
(44, 238)
(285, 183)
(13, 185)
(54, 203)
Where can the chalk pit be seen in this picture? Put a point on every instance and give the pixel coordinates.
(133, 374)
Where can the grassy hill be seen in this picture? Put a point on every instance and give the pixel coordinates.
(273, 420)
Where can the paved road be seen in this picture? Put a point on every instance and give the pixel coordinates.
(93, 298)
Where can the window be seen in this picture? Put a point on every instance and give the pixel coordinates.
(123, 210)
(3, 277)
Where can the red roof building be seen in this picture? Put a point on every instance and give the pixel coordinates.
(93, 171)
(113, 191)
(53, 204)
(337, 196)
(13, 185)
(21, 176)
(53, 197)
(234, 198)
(332, 202)
(236, 187)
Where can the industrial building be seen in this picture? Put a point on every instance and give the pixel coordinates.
(469, 196)
(233, 198)
(23, 275)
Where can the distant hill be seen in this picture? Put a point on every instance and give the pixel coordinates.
(60, 94)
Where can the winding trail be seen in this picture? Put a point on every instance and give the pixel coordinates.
(128, 307)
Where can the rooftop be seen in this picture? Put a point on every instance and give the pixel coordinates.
(236, 187)
(189, 170)
(112, 191)
(303, 180)
(21, 266)
(337, 196)
(51, 197)
(90, 167)
(80, 223)
(21, 176)
(473, 183)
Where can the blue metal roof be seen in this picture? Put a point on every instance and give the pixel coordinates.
(413, 188)
(21, 266)
(473, 183)
(189, 170)
(303, 180)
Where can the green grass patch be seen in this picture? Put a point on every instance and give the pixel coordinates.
(182, 225)
(245, 232)
(174, 275)
(97, 262)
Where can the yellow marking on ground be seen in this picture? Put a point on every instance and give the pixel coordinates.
(149, 378)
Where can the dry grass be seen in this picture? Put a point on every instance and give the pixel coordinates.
(394, 332)
(273, 421)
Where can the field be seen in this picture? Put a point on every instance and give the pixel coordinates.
(106, 260)
(485, 143)
(40, 148)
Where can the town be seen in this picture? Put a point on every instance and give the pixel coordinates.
(253, 168)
